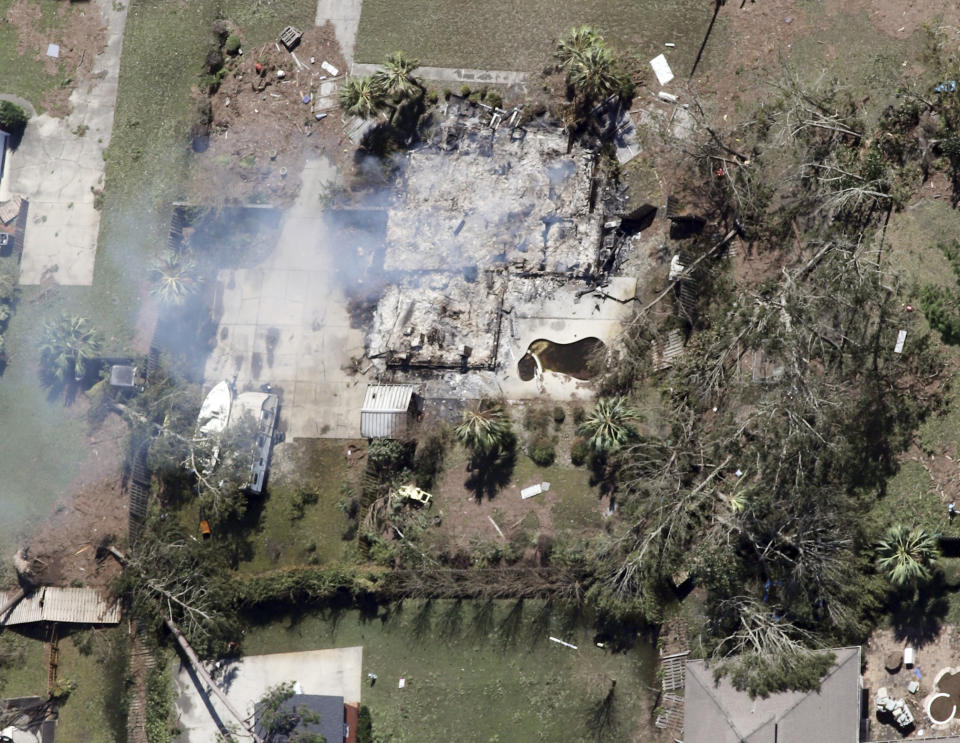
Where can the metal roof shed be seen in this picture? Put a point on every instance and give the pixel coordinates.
(387, 409)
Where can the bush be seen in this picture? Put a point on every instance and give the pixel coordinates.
(221, 30)
(386, 457)
(543, 451)
(465, 90)
(429, 458)
(493, 98)
(214, 61)
(579, 414)
(364, 725)
(536, 419)
(233, 45)
(579, 451)
(559, 415)
(432, 97)
(299, 503)
(13, 119)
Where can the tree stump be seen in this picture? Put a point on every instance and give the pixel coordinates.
(893, 661)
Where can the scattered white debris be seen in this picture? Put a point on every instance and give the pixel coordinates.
(281, 74)
(496, 527)
(313, 60)
(320, 117)
(300, 64)
(667, 97)
(565, 644)
(540, 487)
(661, 69)
(403, 682)
(670, 45)
(739, 472)
(329, 68)
(53, 50)
(676, 267)
(901, 339)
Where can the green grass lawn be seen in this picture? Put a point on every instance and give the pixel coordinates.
(505, 35)
(23, 74)
(25, 674)
(95, 711)
(476, 673)
(44, 441)
(278, 539)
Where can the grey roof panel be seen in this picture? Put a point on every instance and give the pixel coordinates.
(715, 712)
(393, 398)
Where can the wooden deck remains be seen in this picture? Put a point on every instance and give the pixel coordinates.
(667, 351)
(68, 605)
(671, 715)
(674, 671)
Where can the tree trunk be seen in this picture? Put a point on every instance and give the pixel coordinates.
(205, 677)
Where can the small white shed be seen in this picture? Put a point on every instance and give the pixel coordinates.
(388, 410)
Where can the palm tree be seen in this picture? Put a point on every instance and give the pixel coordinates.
(906, 555)
(610, 424)
(596, 73)
(396, 79)
(68, 342)
(572, 46)
(485, 428)
(362, 97)
(175, 277)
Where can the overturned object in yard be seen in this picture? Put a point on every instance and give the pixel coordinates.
(413, 493)
(290, 37)
(221, 409)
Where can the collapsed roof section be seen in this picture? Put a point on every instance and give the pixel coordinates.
(442, 321)
(489, 197)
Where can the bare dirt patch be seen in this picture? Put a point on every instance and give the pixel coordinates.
(262, 130)
(80, 32)
(938, 653)
(93, 507)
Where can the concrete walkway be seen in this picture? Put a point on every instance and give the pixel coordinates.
(333, 672)
(345, 17)
(56, 167)
(295, 297)
(451, 75)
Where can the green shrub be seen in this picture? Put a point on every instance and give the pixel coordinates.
(429, 458)
(447, 93)
(941, 307)
(579, 451)
(493, 98)
(465, 90)
(299, 502)
(474, 97)
(543, 451)
(579, 414)
(536, 419)
(13, 119)
(432, 96)
(233, 45)
(559, 415)
(364, 725)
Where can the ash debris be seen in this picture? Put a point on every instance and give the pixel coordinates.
(487, 208)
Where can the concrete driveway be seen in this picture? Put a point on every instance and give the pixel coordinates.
(293, 299)
(56, 168)
(333, 672)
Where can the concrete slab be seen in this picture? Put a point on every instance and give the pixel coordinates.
(454, 74)
(334, 672)
(57, 169)
(345, 17)
(294, 297)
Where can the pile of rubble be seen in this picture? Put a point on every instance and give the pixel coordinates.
(486, 203)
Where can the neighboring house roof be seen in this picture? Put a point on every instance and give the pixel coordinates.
(50, 604)
(329, 708)
(385, 410)
(716, 712)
